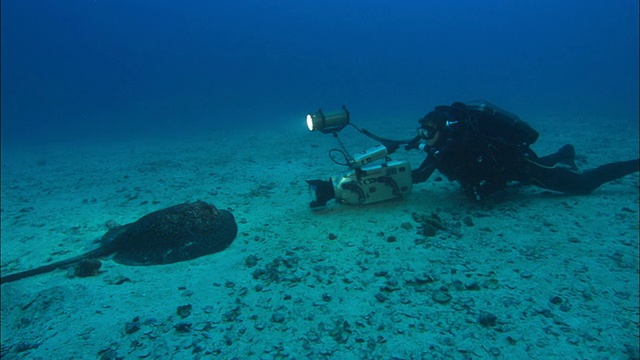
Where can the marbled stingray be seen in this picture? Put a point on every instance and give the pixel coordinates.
(177, 233)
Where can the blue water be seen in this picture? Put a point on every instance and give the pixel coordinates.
(109, 69)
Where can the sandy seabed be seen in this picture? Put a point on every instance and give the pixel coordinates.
(528, 274)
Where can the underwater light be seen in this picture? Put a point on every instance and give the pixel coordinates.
(328, 123)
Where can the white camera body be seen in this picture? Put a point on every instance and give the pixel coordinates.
(373, 183)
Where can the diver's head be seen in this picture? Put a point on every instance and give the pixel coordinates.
(431, 125)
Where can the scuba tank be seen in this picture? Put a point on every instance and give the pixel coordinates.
(494, 122)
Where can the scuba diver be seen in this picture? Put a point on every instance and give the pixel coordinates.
(484, 147)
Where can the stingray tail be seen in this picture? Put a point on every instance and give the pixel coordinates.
(53, 266)
(29, 273)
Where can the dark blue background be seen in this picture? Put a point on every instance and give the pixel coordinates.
(109, 69)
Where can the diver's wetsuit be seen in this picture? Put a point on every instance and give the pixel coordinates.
(484, 164)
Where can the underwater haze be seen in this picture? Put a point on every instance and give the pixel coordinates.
(88, 70)
(168, 117)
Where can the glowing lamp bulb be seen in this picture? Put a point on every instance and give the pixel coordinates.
(310, 122)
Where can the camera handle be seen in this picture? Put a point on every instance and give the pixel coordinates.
(390, 144)
(362, 158)
(349, 160)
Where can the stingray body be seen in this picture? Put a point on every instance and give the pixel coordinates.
(177, 233)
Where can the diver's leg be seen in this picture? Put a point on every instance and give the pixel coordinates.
(571, 181)
(605, 173)
(566, 155)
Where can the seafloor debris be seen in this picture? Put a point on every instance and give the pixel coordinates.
(441, 296)
(487, 319)
(87, 267)
(281, 269)
(431, 224)
(251, 261)
(184, 311)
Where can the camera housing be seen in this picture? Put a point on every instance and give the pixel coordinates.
(364, 182)
(373, 183)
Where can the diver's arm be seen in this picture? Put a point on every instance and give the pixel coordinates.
(425, 170)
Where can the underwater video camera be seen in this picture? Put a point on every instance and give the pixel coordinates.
(366, 181)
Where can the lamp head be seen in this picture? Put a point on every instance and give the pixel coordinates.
(328, 123)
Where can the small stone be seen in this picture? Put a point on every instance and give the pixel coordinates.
(441, 297)
(87, 267)
(108, 354)
(390, 286)
(381, 297)
(449, 341)
(243, 291)
(184, 311)
(424, 279)
(277, 317)
(556, 300)
(251, 261)
(313, 336)
(427, 230)
(183, 327)
(332, 236)
(565, 307)
(458, 285)
(110, 224)
(187, 293)
(526, 275)
(200, 326)
(419, 241)
(119, 280)
(473, 286)
(131, 327)
(391, 238)
(487, 319)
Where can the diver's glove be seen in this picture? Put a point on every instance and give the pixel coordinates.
(413, 144)
(391, 147)
(417, 176)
